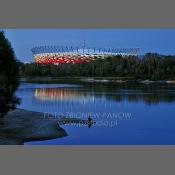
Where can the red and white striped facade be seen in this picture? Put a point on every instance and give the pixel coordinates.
(58, 55)
(47, 58)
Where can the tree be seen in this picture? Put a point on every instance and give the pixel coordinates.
(8, 76)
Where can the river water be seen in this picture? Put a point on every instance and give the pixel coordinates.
(124, 113)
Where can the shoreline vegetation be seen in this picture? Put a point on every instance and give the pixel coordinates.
(152, 67)
(115, 80)
(20, 126)
(9, 74)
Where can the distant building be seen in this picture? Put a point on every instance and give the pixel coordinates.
(60, 54)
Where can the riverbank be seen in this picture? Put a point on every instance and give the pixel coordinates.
(20, 126)
(93, 80)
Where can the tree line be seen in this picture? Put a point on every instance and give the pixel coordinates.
(151, 66)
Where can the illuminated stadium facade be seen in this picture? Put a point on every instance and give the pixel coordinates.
(60, 54)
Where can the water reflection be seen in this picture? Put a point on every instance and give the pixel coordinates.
(60, 93)
(148, 94)
(101, 100)
(151, 108)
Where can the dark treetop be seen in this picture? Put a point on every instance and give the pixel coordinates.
(8, 76)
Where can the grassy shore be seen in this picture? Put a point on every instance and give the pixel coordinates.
(21, 126)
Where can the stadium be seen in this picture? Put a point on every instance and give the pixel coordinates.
(61, 54)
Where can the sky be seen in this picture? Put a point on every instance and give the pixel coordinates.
(148, 40)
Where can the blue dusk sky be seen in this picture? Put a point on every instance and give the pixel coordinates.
(148, 40)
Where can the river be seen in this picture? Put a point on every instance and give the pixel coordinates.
(125, 114)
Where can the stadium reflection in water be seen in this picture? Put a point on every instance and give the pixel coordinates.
(59, 94)
(66, 100)
(151, 108)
